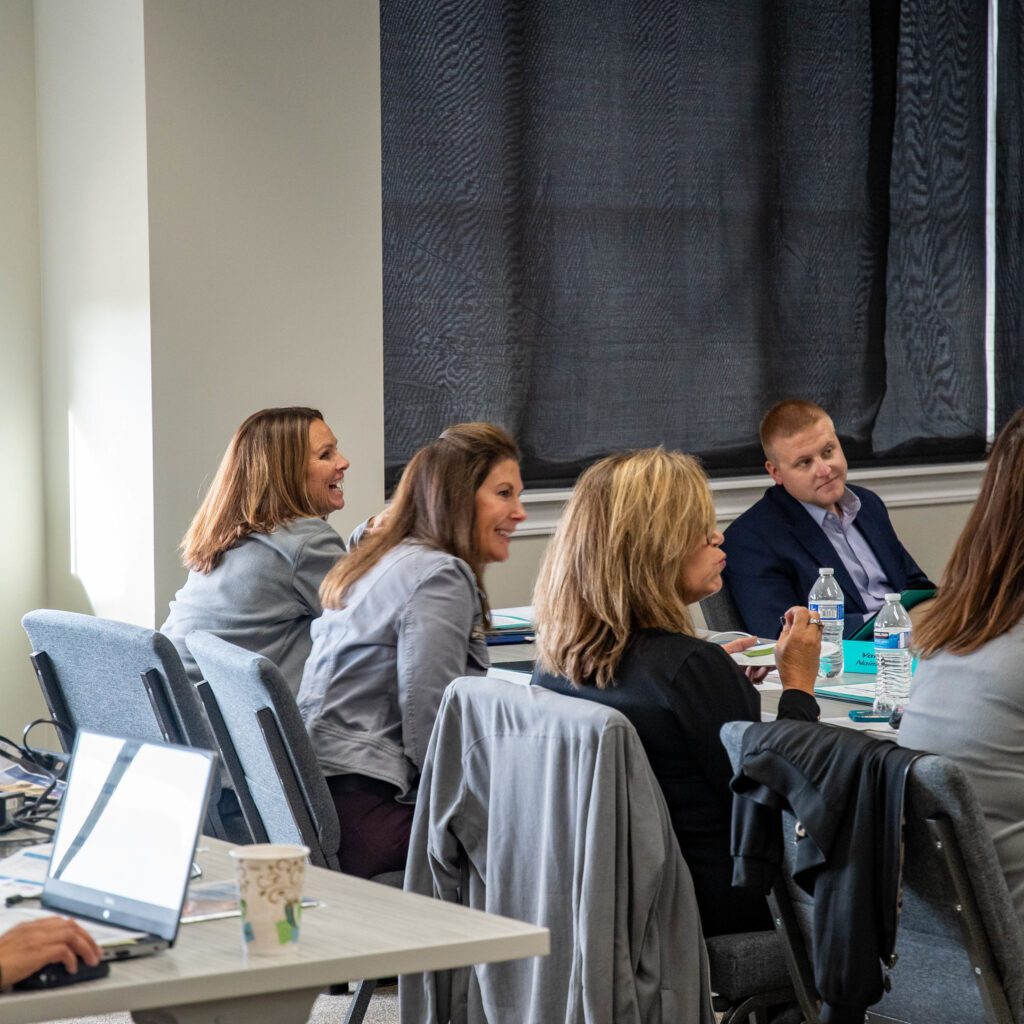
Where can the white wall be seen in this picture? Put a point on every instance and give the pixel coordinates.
(265, 239)
(95, 306)
(21, 444)
(223, 158)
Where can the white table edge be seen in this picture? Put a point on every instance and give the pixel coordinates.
(162, 987)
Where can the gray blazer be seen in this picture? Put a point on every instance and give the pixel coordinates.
(378, 667)
(545, 809)
(970, 707)
(262, 596)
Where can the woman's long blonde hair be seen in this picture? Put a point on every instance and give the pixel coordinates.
(615, 562)
(981, 595)
(434, 503)
(261, 483)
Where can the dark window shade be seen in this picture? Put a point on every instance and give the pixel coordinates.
(612, 224)
(1010, 212)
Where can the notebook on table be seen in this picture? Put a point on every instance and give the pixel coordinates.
(125, 839)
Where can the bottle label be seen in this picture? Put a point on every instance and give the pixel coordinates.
(827, 609)
(892, 639)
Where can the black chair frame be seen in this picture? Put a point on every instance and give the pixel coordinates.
(973, 934)
(232, 763)
(291, 782)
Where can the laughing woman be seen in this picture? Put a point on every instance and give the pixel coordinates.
(404, 614)
(259, 546)
(635, 547)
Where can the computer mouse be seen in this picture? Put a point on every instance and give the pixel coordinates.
(56, 975)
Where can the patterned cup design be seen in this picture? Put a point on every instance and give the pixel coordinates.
(270, 877)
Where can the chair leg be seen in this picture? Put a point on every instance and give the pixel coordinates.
(360, 1001)
(754, 1009)
(214, 823)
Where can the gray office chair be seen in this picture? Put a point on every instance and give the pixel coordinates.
(269, 758)
(271, 762)
(543, 808)
(720, 612)
(749, 976)
(960, 944)
(127, 681)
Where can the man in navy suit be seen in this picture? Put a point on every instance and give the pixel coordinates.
(809, 519)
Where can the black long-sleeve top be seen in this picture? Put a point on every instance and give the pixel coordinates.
(678, 691)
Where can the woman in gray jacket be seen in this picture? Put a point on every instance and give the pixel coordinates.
(967, 695)
(259, 547)
(404, 614)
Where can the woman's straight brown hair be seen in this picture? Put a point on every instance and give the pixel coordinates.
(260, 484)
(434, 503)
(981, 595)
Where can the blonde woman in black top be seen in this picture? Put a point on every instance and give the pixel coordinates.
(637, 545)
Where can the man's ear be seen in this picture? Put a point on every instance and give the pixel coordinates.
(773, 471)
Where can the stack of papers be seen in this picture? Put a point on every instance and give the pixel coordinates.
(511, 625)
(14, 778)
(863, 693)
(23, 873)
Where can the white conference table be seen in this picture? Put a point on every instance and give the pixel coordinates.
(362, 930)
(832, 710)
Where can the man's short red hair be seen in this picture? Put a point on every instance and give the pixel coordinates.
(786, 418)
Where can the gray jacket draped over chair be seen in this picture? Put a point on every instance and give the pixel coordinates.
(544, 809)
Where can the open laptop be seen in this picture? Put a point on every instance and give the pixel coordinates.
(125, 839)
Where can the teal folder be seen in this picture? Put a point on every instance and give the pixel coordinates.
(859, 656)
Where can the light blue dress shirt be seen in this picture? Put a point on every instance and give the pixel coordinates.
(853, 549)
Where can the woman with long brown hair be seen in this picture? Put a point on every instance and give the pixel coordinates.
(967, 695)
(404, 614)
(259, 547)
(637, 545)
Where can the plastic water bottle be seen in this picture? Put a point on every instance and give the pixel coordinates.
(826, 602)
(893, 657)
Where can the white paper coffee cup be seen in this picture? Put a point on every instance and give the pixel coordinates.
(270, 878)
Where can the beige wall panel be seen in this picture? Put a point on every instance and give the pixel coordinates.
(265, 228)
(21, 444)
(95, 306)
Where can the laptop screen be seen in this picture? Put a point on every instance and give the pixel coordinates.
(127, 832)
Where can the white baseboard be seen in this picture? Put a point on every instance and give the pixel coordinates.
(898, 487)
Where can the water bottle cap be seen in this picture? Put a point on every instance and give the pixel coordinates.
(826, 572)
(889, 598)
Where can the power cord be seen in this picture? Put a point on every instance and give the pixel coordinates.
(37, 811)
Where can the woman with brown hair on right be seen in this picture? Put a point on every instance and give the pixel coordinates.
(635, 547)
(967, 695)
(404, 615)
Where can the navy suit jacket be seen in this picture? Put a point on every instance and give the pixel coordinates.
(774, 551)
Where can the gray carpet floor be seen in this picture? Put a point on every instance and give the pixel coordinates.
(383, 1009)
